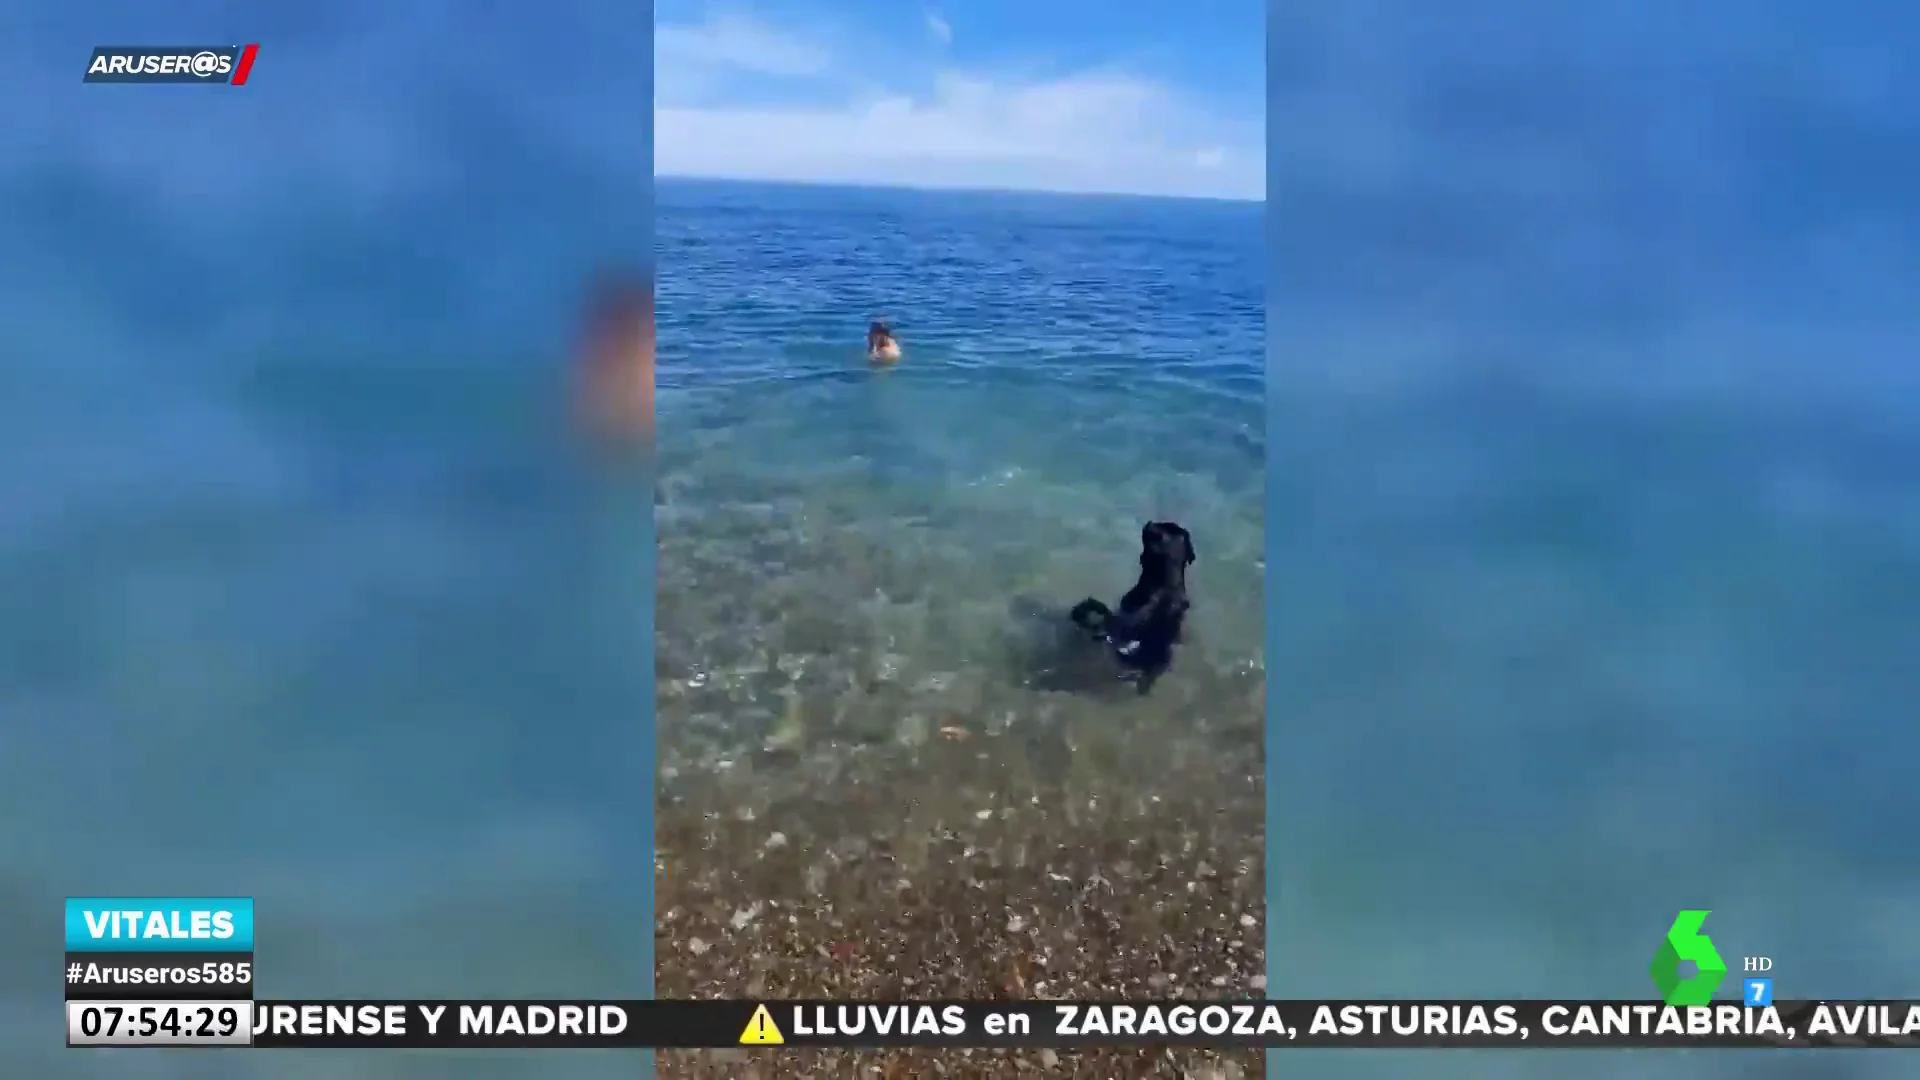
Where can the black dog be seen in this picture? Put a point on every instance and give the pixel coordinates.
(1145, 629)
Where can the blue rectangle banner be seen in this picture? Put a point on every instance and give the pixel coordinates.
(159, 924)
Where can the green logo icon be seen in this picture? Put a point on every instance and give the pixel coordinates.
(1685, 943)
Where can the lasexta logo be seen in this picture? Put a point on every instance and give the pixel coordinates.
(1685, 944)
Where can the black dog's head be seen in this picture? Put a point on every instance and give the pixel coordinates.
(1166, 550)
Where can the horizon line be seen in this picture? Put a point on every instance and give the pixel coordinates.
(959, 189)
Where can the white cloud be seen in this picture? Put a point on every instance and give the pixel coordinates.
(736, 42)
(1084, 131)
(940, 28)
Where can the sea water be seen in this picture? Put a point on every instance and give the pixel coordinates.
(889, 545)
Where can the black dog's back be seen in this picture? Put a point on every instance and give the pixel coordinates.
(1147, 626)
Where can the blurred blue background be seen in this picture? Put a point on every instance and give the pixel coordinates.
(1593, 517)
(304, 592)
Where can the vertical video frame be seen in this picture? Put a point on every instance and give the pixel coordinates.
(959, 637)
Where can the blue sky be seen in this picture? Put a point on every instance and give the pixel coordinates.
(389, 101)
(1069, 95)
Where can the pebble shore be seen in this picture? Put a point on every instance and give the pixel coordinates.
(954, 868)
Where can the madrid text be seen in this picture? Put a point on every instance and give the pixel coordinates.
(396, 1021)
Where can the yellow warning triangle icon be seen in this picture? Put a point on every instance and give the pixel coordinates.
(761, 1030)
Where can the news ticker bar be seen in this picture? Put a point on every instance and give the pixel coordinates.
(159, 976)
(1412, 1025)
